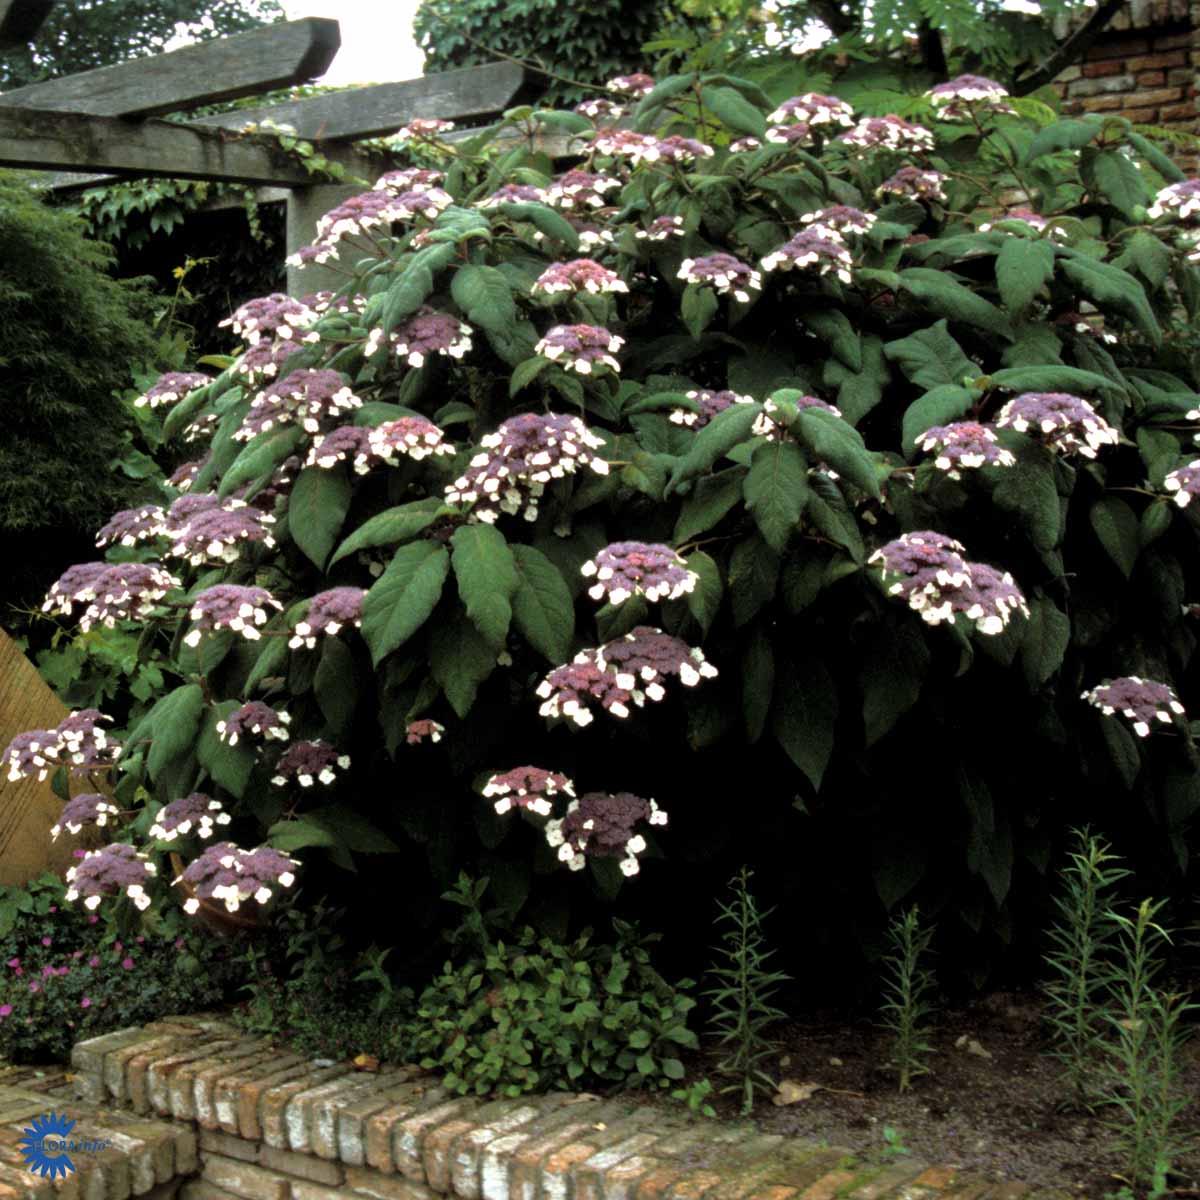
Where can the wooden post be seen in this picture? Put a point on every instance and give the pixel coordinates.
(305, 207)
(20, 20)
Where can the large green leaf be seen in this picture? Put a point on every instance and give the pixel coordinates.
(1120, 181)
(758, 682)
(1047, 635)
(803, 714)
(946, 296)
(390, 527)
(1111, 289)
(1023, 267)
(833, 327)
(554, 225)
(174, 726)
(831, 440)
(1116, 526)
(704, 599)
(317, 506)
(697, 307)
(261, 456)
(753, 577)
(931, 358)
(710, 499)
(487, 579)
(859, 391)
(403, 597)
(940, 405)
(228, 766)
(776, 490)
(543, 609)
(484, 295)
(733, 110)
(1028, 489)
(1061, 135)
(1052, 378)
(335, 687)
(895, 661)
(726, 430)
(989, 838)
(461, 660)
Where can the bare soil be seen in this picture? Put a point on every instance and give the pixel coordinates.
(1003, 1116)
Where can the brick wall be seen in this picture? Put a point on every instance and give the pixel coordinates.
(1143, 68)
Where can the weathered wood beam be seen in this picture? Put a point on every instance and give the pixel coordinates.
(225, 69)
(67, 141)
(382, 108)
(20, 20)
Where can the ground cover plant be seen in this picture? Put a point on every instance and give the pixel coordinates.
(729, 497)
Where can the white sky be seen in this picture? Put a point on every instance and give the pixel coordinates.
(377, 39)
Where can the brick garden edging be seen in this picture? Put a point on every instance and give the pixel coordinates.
(271, 1125)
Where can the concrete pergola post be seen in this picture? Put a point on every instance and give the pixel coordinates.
(305, 207)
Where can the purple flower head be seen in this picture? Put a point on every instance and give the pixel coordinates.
(417, 731)
(182, 478)
(311, 397)
(722, 272)
(228, 606)
(528, 787)
(1179, 200)
(1141, 700)
(912, 183)
(931, 574)
(232, 875)
(308, 761)
(31, 753)
(964, 444)
(421, 129)
(266, 360)
(215, 532)
(821, 249)
(514, 193)
(841, 218)
(346, 443)
(581, 348)
(637, 85)
(744, 144)
(81, 740)
(961, 98)
(1065, 423)
(711, 403)
(422, 335)
(328, 613)
(888, 133)
(580, 275)
(254, 720)
(110, 592)
(6, 1010)
(646, 656)
(599, 110)
(1184, 482)
(273, 316)
(169, 388)
(814, 109)
(89, 809)
(407, 437)
(520, 458)
(599, 825)
(789, 135)
(646, 148)
(410, 179)
(625, 569)
(196, 813)
(662, 228)
(132, 525)
(111, 871)
(571, 691)
(578, 190)
(378, 207)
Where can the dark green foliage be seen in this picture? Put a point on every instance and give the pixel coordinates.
(588, 43)
(742, 992)
(525, 1013)
(97, 33)
(104, 978)
(72, 339)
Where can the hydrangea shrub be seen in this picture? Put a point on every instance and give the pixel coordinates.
(790, 470)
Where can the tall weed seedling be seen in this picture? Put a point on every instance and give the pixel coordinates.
(742, 992)
(1143, 1054)
(1081, 942)
(907, 1005)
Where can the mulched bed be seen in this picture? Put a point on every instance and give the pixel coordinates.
(1001, 1117)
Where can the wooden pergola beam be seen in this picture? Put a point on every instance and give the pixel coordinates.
(20, 20)
(383, 107)
(45, 140)
(228, 68)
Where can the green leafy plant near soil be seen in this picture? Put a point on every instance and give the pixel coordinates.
(1080, 960)
(908, 989)
(823, 590)
(526, 1013)
(66, 975)
(741, 995)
